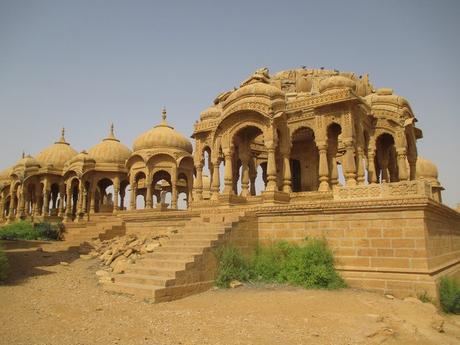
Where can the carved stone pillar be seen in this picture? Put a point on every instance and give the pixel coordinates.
(61, 199)
(92, 198)
(323, 167)
(85, 201)
(215, 181)
(228, 177)
(402, 165)
(68, 208)
(349, 163)
(360, 162)
(116, 191)
(148, 195)
(46, 199)
(132, 201)
(245, 177)
(287, 177)
(199, 182)
(21, 204)
(271, 169)
(174, 192)
(122, 199)
(80, 201)
(372, 176)
(334, 172)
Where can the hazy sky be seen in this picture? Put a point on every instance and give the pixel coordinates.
(83, 64)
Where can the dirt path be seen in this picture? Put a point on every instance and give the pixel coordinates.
(45, 302)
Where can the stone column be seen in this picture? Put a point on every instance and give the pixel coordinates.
(85, 201)
(228, 178)
(92, 198)
(244, 177)
(360, 162)
(80, 199)
(68, 204)
(173, 192)
(12, 205)
(116, 191)
(402, 165)
(215, 181)
(287, 177)
(132, 201)
(46, 199)
(252, 177)
(323, 167)
(61, 199)
(148, 194)
(199, 182)
(372, 176)
(122, 199)
(349, 165)
(271, 169)
(22, 204)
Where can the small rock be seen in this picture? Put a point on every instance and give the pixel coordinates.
(102, 273)
(85, 257)
(235, 284)
(315, 334)
(412, 300)
(374, 317)
(389, 296)
(99, 309)
(63, 263)
(128, 252)
(438, 324)
(151, 247)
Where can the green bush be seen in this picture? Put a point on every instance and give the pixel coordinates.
(449, 294)
(232, 265)
(24, 230)
(309, 264)
(3, 265)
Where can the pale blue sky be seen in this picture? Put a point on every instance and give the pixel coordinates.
(82, 64)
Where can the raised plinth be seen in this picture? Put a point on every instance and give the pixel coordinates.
(275, 197)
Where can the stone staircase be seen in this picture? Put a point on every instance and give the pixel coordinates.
(182, 266)
(78, 235)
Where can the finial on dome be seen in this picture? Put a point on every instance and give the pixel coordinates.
(23, 154)
(163, 115)
(62, 138)
(111, 133)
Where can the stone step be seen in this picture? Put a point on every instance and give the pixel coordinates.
(183, 249)
(166, 264)
(196, 236)
(177, 255)
(189, 242)
(140, 290)
(145, 279)
(148, 270)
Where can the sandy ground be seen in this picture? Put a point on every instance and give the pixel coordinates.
(45, 302)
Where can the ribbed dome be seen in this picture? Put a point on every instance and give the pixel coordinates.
(426, 169)
(57, 154)
(110, 150)
(210, 113)
(256, 89)
(162, 136)
(27, 162)
(5, 174)
(336, 82)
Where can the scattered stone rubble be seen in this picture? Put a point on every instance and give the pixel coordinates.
(118, 253)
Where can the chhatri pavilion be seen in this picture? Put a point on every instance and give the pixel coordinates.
(303, 152)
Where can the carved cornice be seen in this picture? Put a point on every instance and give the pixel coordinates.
(316, 101)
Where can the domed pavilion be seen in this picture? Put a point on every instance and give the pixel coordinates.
(161, 163)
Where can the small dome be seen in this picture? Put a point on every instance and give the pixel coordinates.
(336, 82)
(109, 150)
(27, 162)
(426, 169)
(83, 156)
(162, 136)
(5, 174)
(256, 89)
(210, 113)
(57, 154)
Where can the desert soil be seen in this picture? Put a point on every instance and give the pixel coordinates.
(45, 302)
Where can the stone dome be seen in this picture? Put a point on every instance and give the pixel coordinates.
(426, 169)
(57, 154)
(210, 113)
(336, 82)
(256, 89)
(162, 136)
(109, 150)
(27, 162)
(5, 174)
